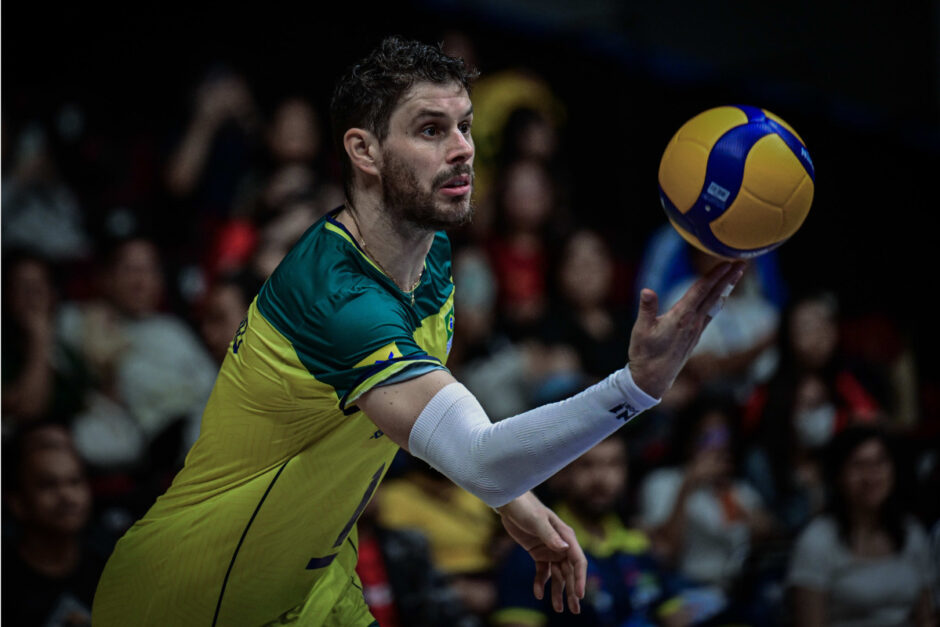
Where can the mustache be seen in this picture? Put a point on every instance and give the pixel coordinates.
(457, 170)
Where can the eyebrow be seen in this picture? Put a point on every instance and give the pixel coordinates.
(434, 113)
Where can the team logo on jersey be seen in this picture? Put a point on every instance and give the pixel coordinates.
(450, 330)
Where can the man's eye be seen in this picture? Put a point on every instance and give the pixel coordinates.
(429, 131)
(465, 128)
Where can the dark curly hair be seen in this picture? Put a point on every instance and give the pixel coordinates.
(369, 91)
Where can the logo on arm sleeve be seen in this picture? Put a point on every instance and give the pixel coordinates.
(385, 354)
(624, 411)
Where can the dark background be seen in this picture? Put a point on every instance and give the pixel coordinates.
(859, 81)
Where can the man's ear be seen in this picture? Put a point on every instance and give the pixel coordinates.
(363, 150)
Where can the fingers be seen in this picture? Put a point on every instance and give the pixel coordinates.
(575, 557)
(542, 573)
(649, 307)
(578, 569)
(721, 290)
(697, 294)
(558, 588)
(717, 306)
(574, 603)
(547, 528)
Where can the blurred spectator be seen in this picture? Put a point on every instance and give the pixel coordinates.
(703, 518)
(581, 317)
(883, 353)
(219, 143)
(667, 261)
(400, 584)
(295, 138)
(529, 134)
(812, 396)
(50, 570)
(40, 213)
(505, 376)
(458, 525)
(625, 583)
(280, 197)
(520, 248)
(154, 376)
(866, 561)
(41, 376)
(495, 97)
(225, 306)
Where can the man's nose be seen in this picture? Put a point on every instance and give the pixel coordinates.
(460, 148)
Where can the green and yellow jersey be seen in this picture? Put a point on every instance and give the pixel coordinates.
(259, 525)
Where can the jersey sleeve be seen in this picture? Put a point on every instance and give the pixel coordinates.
(353, 339)
(371, 336)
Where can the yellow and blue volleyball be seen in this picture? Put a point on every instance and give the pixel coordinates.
(736, 181)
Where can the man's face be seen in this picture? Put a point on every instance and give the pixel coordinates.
(225, 309)
(54, 495)
(136, 279)
(597, 479)
(427, 157)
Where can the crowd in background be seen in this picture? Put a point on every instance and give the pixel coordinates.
(784, 479)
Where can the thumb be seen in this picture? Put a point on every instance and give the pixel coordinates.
(649, 306)
(549, 535)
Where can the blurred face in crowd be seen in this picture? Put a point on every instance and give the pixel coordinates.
(427, 158)
(527, 196)
(136, 280)
(29, 290)
(814, 333)
(295, 132)
(53, 494)
(595, 481)
(586, 271)
(224, 310)
(714, 440)
(867, 476)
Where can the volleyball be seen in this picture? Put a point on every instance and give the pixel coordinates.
(736, 181)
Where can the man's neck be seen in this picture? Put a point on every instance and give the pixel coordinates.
(396, 248)
(591, 522)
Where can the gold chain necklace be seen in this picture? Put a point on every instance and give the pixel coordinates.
(362, 243)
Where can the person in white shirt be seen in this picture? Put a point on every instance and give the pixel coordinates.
(865, 562)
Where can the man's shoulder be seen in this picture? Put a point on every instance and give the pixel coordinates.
(320, 277)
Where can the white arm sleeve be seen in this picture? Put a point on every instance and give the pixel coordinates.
(499, 462)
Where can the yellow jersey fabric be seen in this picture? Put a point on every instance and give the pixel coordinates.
(259, 525)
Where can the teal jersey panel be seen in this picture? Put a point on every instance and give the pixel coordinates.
(346, 320)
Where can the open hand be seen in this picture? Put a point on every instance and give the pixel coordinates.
(660, 345)
(553, 546)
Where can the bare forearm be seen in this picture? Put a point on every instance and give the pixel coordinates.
(187, 162)
(669, 534)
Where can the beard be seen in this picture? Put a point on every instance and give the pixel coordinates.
(405, 200)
